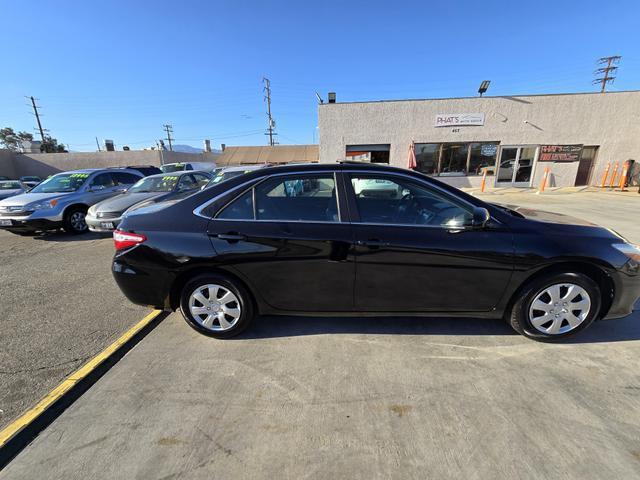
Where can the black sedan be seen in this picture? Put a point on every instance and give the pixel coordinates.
(363, 239)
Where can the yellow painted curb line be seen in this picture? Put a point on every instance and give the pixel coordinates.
(68, 383)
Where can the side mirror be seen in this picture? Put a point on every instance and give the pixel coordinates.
(481, 217)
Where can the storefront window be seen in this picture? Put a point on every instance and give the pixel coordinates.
(482, 156)
(454, 159)
(427, 155)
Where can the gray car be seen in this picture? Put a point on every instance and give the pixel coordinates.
(105, 216)
(10, 188)
(62, 200)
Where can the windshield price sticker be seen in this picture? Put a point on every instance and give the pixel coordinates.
(170, 179)
(79, 175)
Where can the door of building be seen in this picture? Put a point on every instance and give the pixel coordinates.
(585, 167)
(515, 166)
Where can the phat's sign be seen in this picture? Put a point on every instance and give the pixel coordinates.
(458, 119)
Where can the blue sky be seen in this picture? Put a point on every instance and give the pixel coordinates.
(121, 69)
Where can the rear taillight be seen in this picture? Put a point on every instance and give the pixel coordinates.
(125, 239)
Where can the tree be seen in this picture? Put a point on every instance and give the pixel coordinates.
(12, 140)
(51, 145)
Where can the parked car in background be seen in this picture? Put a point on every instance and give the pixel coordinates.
(248, 247)
(225, 173)
(2, 177)
(145, 170)
(62, 200)
(106, 215)
(9, 188)
(178, 167)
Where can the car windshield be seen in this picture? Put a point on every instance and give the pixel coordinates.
(222, 176)
(174, 167)
(10, 185)
(166, 183)
(30, 179)
(62, 182)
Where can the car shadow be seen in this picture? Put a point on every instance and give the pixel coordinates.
(60, 236)
(626, 329)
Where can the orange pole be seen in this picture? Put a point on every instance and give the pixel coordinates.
(612, 182)
(623, 178)
(484, 180)
(544, 179)
(605, 175)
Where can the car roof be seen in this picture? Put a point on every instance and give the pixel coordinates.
(244, 168)
(94, 170)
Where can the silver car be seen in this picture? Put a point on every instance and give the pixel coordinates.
(9, 188)
(63, 200)
(106, 215)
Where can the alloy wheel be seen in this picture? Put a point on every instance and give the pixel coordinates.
(559, 308)
(214, 307)
(77, 221)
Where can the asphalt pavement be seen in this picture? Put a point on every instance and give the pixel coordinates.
(321, 398)
(60, 307)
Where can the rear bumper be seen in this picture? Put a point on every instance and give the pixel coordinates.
(149, 288)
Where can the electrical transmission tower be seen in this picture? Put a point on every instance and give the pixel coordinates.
(606, 71)
(37, 114)
(169, 129)
(272, 123)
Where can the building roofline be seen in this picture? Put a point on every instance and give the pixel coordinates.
(480, 98)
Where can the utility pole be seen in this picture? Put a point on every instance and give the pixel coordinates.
(169, 129)
(272, 124)
(35, 111)
(98, 144)
(606, 71)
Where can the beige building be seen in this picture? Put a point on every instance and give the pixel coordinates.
(511, 138)
(277, 154)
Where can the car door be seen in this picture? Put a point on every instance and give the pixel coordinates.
(416, 251)
(287, 239)
(101, 187)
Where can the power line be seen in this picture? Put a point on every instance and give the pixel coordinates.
(272, 124)
(169, 129)
(606, 71)
(35, 111)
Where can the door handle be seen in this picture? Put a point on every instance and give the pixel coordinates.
(230, 237)
(372, 243)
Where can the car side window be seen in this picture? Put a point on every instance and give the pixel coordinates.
(186, 182)
(201, 179)
(103, 180)
(297, 198)
(239, 209)
(123, 178)
(394, 200)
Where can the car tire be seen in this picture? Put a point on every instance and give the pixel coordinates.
(225, 315)
(74, 220)
(549, 309)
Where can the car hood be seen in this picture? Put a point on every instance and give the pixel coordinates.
(548, 217)
(120, 203)
(10, 193)
(26, 198)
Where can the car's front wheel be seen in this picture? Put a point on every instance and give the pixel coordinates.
(216, 305)
(555, 306)
(74, 220)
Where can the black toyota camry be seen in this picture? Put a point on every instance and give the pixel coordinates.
(363, 239)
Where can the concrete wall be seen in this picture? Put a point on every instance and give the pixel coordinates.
(610, 121)
(14, 165)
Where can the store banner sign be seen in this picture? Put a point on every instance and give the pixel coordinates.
(560, 153)
(458, 119)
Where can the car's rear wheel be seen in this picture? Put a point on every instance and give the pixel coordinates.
(74, 220)
(216, 305)
(555, 306)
